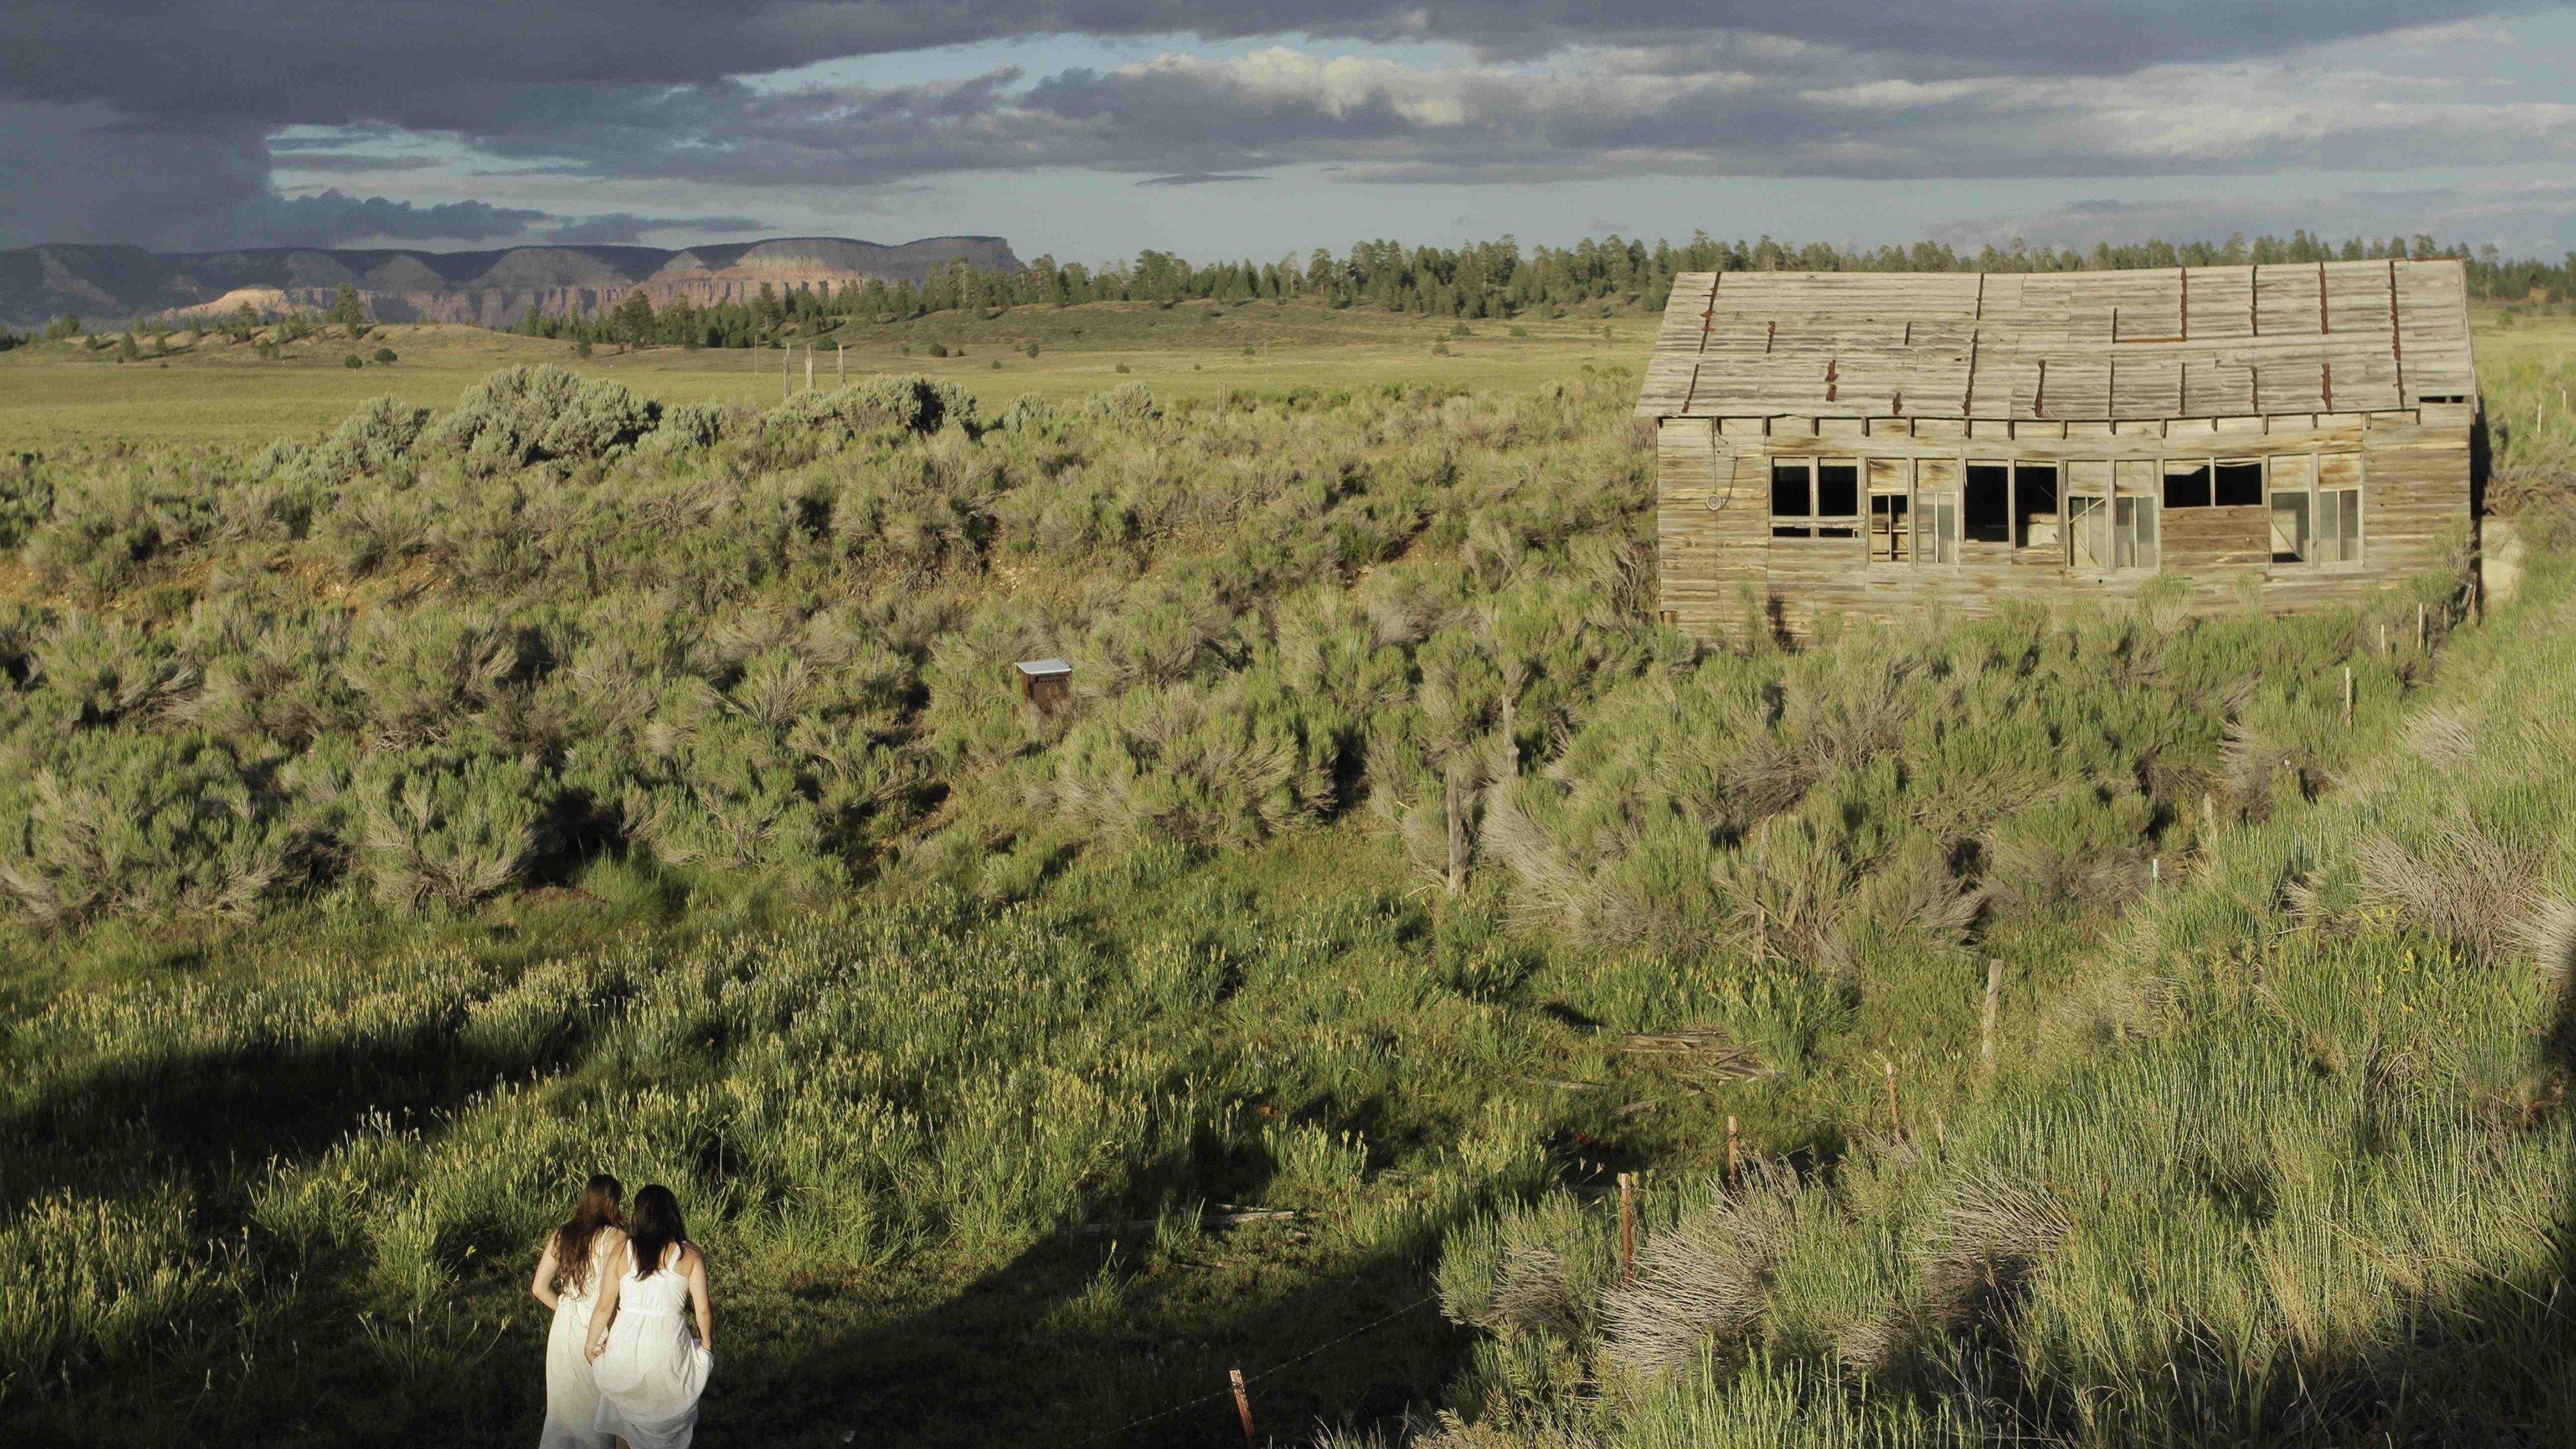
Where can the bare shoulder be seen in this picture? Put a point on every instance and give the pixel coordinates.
(692, 1258)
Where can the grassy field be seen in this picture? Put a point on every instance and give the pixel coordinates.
(411, 820)
(211, 391)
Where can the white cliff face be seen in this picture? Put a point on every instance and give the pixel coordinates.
(492, 288)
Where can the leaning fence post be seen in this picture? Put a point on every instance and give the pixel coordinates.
(2422, 638)
(1627, 1227)
(1243, 1406)
(1734, 1162)
(1994, 1002)
(2347, 696)
(1895, 1114)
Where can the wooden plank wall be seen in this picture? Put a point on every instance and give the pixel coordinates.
(2416, 498)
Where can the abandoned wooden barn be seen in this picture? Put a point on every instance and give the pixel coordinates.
(1882, 444)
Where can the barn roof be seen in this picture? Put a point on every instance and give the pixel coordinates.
(2174, 342)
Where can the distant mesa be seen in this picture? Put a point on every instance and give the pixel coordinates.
(489, 288)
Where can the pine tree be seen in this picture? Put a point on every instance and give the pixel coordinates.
(349, 310)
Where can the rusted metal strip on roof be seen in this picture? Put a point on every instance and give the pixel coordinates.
(2186, 304)
(1708, 314)
(1692, 390)
(2396, 340)
(1831, 386)
(2325, 324)
(2039, 394)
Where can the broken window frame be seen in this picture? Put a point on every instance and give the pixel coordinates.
(2113, 506)
(2085, 495)
(2137, 515)
(2199, 482)
(2220, 467)
(1937, 482)
(2324, 491)
(1887, 485)
(1813, 525)
(2051, 533)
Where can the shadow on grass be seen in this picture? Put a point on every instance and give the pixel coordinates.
(196, 1117)
(1069, 1341)
(1039, 1352)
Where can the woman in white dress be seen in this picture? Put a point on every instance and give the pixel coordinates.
(649, 1366)
(569, 1279)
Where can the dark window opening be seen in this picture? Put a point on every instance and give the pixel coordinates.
(2186, 485)
(1986, 515)
(1840, 530)
(2443, 397)
(1789, 490)
(1837, 491)
(2240, 485)
(2035, 505)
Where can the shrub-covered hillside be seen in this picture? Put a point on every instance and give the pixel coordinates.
(402, 823)
(2282, 1157)
(438, 659)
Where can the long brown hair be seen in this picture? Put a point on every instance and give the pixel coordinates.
(601, 1207)
(656, 1227)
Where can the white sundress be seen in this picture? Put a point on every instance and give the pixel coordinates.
(651, 1371)
(572, 1395)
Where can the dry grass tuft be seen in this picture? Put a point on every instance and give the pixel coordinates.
(1700, 1284)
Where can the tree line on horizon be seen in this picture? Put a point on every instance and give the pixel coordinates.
(1493, 279)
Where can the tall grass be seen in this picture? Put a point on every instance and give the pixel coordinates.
(2283, 1163)
(408, 822)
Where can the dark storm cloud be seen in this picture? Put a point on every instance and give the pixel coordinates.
(334, 217)
(1749, 107)
(78, 174)
(185, 93)
(325, 61)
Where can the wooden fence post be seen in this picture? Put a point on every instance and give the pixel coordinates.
(1243, 1406)
(1895, 1114)
(2423, 639)
(2347, 696)
(1994, 1003)
(1734, 1162)
(1627, 1227)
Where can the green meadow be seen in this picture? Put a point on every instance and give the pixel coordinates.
(206, 389)
(431, 782)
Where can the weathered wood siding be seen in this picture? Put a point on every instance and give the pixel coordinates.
(2363, 366)
(2413, 470)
